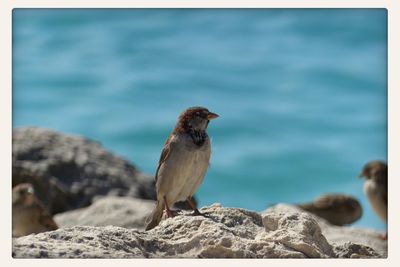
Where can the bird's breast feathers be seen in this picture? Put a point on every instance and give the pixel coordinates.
(184, 168)
(375, 194)
(186, 156)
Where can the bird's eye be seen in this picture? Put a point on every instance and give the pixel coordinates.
(197, 113)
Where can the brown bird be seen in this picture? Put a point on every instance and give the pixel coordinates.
(336, 209)
(28, 213)
(183, 163)
(376, 186)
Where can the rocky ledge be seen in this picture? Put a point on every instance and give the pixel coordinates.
(100, 202)
(280, 232)
(69, 172)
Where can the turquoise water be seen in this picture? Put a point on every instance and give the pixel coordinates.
(301, 94)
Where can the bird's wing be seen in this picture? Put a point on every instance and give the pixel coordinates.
(327, 201)
(164, 154)
(322, 203)
(385, 193)
(46, 220)
(44, 217)
(385, 198)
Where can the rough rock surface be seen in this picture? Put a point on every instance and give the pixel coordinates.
(224, 233)
(68, 171)
(342, 237)
(117, 211)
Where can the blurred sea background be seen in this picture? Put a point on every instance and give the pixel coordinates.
(301, 93)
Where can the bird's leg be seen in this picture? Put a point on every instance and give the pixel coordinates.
(196, 212)
(170, 213)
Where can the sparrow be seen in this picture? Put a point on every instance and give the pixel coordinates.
(376, 186)
(336, 209)
(183, 163)
(28, 213)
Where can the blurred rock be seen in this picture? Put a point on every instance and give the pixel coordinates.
(224, 233)
(335, 208)
(68, 171)
(117, 211)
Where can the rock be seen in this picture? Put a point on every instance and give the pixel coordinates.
(341, 236)
(351, 250)
(299, 231)
(117, 211)
(346, 237)
(223, 233)
(68, 171)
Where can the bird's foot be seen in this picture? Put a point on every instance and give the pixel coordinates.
(196, 212)
(172, 213)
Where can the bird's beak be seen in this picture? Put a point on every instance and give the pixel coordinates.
(31, 190)
(212, 116)
(361, 175)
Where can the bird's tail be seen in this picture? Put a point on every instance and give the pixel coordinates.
(155, 217)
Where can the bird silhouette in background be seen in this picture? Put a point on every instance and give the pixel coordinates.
(28, 213)
(376, 187)
(336, 209)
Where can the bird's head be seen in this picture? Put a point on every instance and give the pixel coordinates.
(375, 170)
(196, 118)
(22, 193)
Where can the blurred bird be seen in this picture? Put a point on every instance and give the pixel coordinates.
(28, 213)
(376, 187)
(336, 209)
(183, 163)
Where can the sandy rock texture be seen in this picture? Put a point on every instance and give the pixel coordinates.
(123, 212)
(68, 171)
(340, 236)
(223, 233)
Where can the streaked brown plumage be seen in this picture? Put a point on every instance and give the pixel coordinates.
(28, 213)
(336, 209)
(183, 163)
